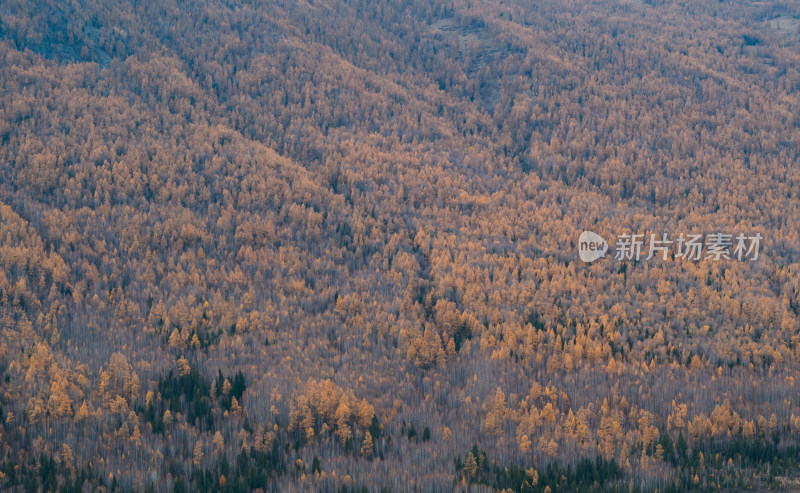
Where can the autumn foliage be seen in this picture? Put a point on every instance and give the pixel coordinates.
(268, 245)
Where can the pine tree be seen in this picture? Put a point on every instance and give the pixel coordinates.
(470, 464)
(197, 455)
(83, 412)
(218, 441)
(366, 446)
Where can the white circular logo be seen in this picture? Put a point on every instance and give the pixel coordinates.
(591, 246)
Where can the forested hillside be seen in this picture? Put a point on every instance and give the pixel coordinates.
(331, 245)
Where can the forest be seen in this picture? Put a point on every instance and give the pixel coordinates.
(332, 245)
